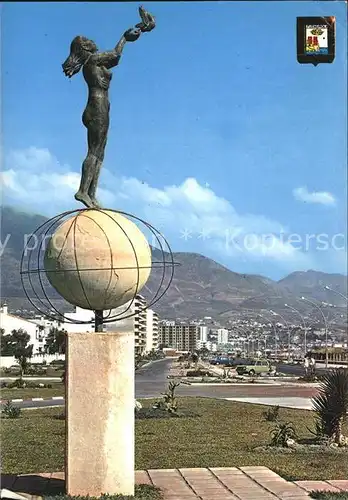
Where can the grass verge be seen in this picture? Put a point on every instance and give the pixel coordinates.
(142, 492)
(29, 393)
(328, 495)
(50, 372)
(225, 435)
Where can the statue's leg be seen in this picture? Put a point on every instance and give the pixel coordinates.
(88, 169)
(82, 194)
(94, 183)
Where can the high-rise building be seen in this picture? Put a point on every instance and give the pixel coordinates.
(203, 333)
(136, 322)
(222, 336)
(140, 324)
(152, 334)
(181, 337)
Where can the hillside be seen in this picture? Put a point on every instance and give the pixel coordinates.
(201, 286)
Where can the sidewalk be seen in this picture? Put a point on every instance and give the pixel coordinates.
(297, 403)
(219, 483)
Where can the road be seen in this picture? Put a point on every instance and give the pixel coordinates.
(299, 369)
(151, 381)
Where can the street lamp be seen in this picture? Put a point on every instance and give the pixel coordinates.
(325, 323)
(341, 295)
(287, 326)
(304, 325)
(335, 291)
(275, 333)
(239, 329)
(266, 319)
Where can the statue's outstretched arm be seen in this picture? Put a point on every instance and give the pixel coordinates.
(111, 58)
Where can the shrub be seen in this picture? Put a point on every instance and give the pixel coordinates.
(3, 385)
(197, 373)
(11, 411)
(19, 383)
(168, 402)
(58, 362)
(272, 414)
(318, 431)
(282, 432)
(311, 377)
(331, 403)
(35, 370)
(226, 373)
(27, 384)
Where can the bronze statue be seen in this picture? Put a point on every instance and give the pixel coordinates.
(84, 54)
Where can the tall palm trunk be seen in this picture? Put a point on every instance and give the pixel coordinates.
(338, 432)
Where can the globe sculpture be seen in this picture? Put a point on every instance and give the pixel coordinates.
(84, 252)
(96, 259)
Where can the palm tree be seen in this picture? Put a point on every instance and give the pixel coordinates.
(331, 404)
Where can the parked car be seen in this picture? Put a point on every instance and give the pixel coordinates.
(219, 361)
(230, 362)
(233, 363)
(256, 367)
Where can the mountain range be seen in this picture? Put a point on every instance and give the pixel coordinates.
(201, 287)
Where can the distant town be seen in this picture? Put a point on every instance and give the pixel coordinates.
(248, 333)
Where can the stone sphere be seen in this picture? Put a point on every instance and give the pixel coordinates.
(98, 259)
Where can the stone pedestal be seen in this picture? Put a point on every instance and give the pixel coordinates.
(100, 413)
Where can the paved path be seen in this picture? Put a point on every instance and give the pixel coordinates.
(218, 483)
(284, 402)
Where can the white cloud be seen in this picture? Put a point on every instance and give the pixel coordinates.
(35, 179)
(320, 197)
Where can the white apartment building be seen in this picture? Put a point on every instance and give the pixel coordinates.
(136, 321)
(182, 337)
(203, 333)
(222, 336)
(152, 334)
(211, 346)
(140, 324)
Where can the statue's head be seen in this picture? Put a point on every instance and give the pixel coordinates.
(81, 49)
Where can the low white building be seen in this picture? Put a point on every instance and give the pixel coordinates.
(211, 346)
(78, 315)
(36, 328)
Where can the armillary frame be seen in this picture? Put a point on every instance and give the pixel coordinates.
(97, 259)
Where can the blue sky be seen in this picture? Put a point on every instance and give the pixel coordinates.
(218, 136)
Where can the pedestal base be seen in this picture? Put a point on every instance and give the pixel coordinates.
(100, 413)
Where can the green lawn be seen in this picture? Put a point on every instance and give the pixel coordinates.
(224, 436)
(58, 389)
(142, 492)
(50, 372)
(325, 495)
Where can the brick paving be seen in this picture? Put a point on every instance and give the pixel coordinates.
(215, 483)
